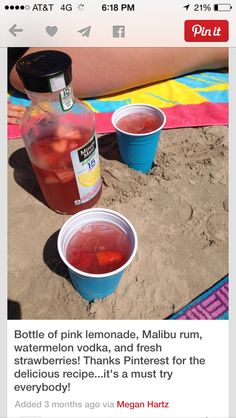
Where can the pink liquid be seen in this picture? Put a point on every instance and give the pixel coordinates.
(51, 161)
(98, 247)
(139, 123)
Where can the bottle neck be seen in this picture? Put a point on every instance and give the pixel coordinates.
(55, 96)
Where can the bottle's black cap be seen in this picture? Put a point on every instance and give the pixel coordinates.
(39, 70)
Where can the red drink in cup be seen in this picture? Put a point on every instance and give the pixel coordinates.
(98, 247)
(139, 123)
(138, 128)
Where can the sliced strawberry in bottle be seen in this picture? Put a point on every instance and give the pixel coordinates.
(75, 135)
(66, 132)
(65, 176)
(42, 156)
(51, 179)
(59, 145)
(105, 258)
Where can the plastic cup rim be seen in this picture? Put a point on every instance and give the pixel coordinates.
(138, 104)
(102, 275)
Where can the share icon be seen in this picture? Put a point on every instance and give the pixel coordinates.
(85, 31)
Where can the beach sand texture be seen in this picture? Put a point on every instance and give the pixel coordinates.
(179, 210)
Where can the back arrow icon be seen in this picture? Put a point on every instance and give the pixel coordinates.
(13, 30)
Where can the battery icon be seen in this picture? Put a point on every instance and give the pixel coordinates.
(222, 7)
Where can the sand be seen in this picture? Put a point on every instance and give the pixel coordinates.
(180, 212)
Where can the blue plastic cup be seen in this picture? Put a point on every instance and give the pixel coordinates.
(138, 150)
(95, 286)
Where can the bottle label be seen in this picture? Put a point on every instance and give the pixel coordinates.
(86, 167)
(66, 99)
(57, 83)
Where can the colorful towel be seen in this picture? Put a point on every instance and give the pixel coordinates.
(212, 304)
(198, 99)
(190, 89)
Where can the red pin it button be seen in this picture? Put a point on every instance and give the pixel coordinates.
(206, 30)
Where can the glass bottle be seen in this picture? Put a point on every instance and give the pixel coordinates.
(59, 133)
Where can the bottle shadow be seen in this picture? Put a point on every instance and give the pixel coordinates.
(108, 147)
(24, 174)
(52, 258)
(13, 309)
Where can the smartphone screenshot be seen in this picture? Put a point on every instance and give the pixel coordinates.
(117, 144)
